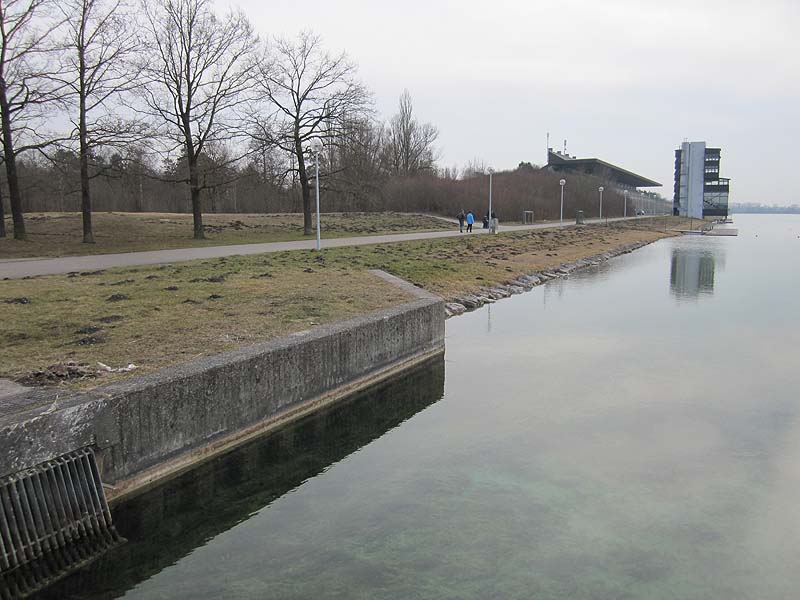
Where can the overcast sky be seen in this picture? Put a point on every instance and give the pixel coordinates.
(621, 80)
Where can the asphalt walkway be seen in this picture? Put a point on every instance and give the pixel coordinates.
(31, 267)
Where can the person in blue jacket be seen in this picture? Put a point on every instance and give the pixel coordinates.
(470, 221)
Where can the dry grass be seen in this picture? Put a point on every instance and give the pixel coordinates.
(454, 266)
(261, 296)
(60, 234)
(75, 319)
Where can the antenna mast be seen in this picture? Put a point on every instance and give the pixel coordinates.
(547, 150)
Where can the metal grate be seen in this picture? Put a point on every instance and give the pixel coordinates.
(54, 519)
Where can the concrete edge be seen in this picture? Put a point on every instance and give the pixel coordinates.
(199, 365)
(149, 478)
(412, 289)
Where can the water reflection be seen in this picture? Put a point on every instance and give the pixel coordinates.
(692, 273)
(172, 521)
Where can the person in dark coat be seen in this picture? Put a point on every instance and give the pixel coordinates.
(461, 218)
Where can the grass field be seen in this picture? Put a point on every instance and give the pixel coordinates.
(161, 316)
(59, 234)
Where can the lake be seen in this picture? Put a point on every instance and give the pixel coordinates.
(632, 431)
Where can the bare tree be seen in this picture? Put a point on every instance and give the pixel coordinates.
(274, 167)
(449, 173)
(314, 94)
(198, 75)
(477, 167)
(356, 161)
(411, 142)
(2, 212)
(100, 44)
(25, 28)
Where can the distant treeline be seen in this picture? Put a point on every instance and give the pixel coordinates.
(794, 209)
(123, 184)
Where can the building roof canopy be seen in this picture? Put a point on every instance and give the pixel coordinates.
(596, 166)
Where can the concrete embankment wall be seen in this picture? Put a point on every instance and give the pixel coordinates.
(146, 428)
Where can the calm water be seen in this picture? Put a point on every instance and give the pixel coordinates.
(631, 432)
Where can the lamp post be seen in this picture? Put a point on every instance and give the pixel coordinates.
(490, 198)
(625, 209)
(600, 189)
(315, 147)
(562, 183)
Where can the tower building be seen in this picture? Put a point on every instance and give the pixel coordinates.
(699, 190)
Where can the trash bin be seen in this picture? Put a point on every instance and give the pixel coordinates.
(579, 218)
(527, 217)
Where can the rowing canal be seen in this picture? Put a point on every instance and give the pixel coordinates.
(632, 431)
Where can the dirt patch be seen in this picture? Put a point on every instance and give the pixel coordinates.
(89, 330)
(91, 340)
(59, 373)
(110, 319)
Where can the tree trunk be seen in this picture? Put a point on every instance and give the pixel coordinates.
(2, 216)
(138, 203)
(86, 199)
(197, 210)
(11, 167)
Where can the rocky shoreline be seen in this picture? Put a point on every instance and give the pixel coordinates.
(524, 283)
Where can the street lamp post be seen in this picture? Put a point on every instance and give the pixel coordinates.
(600, 189)
(316, 146)
(562, 183)
(625, 209)
(490, 198)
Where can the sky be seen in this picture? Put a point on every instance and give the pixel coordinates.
(622, 80)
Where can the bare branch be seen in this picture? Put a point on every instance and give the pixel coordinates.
(313, 93)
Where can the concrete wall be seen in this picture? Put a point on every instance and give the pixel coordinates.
(146, 428)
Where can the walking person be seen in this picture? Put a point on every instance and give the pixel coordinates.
(470, 221)
(461, 218)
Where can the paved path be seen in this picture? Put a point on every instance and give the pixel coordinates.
(30, 267)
